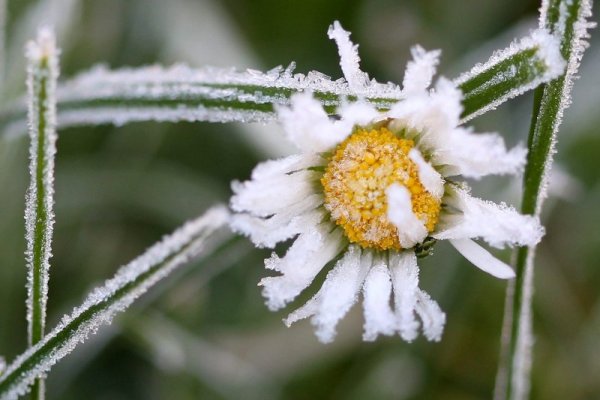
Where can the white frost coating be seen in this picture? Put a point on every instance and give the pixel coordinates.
(42, 74)
(379, 316)
(304, 259)
(432, 317)
(420, 71)
(497, 224)
(129, 283)
(482, 259)
(547, 52)
(405, 281)
(337, 295)
(429, 177)
(153, 84)
(411, 230)
(349, 59)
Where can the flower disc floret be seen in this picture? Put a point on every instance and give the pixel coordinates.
(355, 181)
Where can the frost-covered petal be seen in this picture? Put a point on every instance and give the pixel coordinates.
(411, 230)
(285, 165)
(474, 155)
(307, 125)
(429, 177)
(272, 195)
(304, 259)
(497, 224)
(420, 71)
(405, 281)
(349, 59)
(482, 259)
(301, 217)
(432, 317)
(434, 115)
(357, 113)
(379, 317)
(337, 295)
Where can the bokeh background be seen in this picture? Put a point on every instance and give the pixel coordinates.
(206, 333)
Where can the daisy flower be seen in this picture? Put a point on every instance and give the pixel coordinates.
(372, 191)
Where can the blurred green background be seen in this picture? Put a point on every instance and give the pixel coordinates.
(206, 333)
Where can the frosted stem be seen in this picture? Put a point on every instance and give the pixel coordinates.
(180, 93)
(195, 238)
(567, 19)
(42, 57)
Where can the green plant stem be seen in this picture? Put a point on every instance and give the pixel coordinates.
(567, 19)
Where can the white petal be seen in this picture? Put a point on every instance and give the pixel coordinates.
(482, 259)
(307, 125)
(474, 155)
(337, 295)
(349, 59)
(405, 281)
(357, 113)
(278, 228)
(411, 230)
(268, 196)
(379, 317)
(431, 315)
(304, 259)
(296, 162)
(497, 224)
(420, 71)
(429, 177)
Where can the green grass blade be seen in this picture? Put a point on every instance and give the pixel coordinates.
(568, 20)
(197, 237)
(39, 215)
(224, 95)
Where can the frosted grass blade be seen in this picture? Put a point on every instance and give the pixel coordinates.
(42, 76)
(195, 238)
(522, 66)
(180, 93)
(568, 20)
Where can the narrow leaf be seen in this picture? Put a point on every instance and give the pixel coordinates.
(568, 20)
(195, 238)
(523, 66)
(180, 93)
(39, 215)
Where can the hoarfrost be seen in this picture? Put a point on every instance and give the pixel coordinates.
(547, 48)
(42, 57)
(130, 282)
(575, 49)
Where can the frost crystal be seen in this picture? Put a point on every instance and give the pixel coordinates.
(130, 282)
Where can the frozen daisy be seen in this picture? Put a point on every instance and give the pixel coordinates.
(369, 193)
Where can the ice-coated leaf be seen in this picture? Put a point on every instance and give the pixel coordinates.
(193, 239)
(522, 66)
(181, 93)
(42, 57)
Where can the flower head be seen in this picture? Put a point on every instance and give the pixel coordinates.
(371, 191)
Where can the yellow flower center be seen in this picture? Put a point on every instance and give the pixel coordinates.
(355, 181)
